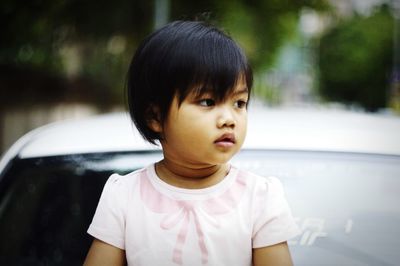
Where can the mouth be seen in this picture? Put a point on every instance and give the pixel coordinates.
(226, 140)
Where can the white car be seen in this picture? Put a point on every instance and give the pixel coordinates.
(340, 170)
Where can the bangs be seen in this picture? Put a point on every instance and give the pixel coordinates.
(208, 63)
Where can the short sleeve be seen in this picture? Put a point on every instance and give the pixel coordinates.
(273, 222)
(108, 223)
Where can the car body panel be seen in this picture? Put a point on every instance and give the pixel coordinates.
(288, 129)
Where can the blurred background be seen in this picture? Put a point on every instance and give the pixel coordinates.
(67, 59)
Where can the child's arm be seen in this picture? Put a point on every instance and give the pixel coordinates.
(277, 255)
(102, 254)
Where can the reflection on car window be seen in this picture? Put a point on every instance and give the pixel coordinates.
(345, 204)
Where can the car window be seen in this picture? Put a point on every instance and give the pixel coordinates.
(344, 203)
(46, 205)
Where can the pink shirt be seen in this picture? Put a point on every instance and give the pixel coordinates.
(159, 224)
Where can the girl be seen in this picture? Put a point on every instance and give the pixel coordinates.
(188, 89)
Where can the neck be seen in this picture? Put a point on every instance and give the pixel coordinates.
(191, 177)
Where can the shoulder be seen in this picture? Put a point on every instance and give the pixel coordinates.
(117, 192)
(109, 221)
(271, 216)
(126, 179)
(261, 184)
(122, 185)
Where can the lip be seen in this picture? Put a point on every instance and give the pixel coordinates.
(226, 140)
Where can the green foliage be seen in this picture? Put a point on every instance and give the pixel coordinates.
(35, 34)
(356, 60)
(41, 34)
(263, 26)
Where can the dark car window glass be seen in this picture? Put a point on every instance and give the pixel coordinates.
(46, 206)
(345, 204)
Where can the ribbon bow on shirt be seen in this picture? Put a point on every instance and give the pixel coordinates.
(180, 211)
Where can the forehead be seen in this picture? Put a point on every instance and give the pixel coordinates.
(240, 86)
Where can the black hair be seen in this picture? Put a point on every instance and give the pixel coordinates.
(174, 60)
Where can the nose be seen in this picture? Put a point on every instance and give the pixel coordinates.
(226, 118)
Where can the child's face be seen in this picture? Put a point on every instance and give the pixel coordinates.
(203, 132)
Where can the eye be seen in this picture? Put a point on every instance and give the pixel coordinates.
(207, 102)
(241, 104)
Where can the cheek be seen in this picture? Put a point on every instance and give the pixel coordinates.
(194, 135)
(185, 129)
(243, 129)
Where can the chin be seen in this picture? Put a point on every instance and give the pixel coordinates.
(223, 160)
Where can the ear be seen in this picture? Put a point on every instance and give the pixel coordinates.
(153, 118)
